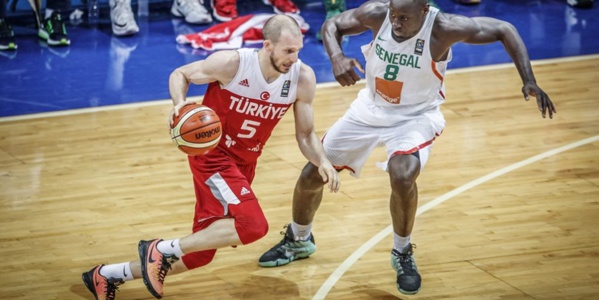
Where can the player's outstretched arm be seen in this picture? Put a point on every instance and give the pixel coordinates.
(307, 140)
(483, 30)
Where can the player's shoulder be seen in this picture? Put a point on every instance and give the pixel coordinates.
(226, 57)
(306, 83)
(447, 23)
(306, 75)
(224, 64)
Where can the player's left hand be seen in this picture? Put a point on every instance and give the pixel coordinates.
(329, 175)
(175, 111)
(543, 102)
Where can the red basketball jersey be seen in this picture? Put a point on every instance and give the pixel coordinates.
(249, 108)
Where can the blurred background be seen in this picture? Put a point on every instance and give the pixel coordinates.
(99, 68)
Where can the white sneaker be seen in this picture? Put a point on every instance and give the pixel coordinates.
(123, 21)
(193, 11)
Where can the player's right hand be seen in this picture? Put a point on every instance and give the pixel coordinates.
(343, 69)
(175, 111)
(330, 176)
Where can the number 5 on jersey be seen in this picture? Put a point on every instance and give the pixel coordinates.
(248, 129)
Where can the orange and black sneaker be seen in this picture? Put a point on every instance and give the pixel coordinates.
(154, 265)
(103, 288)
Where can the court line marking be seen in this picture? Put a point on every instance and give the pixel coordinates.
(349, 262)
(320, 85)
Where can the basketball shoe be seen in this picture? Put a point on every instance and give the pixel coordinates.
(103, 288)
(224, 10)
(408, 279)
(53, 31)
(287, 250)
(121, 15)
(192, 10)
(154, 266)
(283, 6)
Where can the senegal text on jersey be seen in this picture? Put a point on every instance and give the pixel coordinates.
(397, 58)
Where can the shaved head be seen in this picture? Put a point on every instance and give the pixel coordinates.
(278, 24)
(416, 2)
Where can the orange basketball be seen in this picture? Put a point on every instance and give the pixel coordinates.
(196, 130)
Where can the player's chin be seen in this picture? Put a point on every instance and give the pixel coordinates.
(398, 33)
(285, 68)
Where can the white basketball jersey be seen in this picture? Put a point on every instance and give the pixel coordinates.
(402, 79)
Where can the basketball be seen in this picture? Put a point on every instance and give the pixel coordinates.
(196, 130)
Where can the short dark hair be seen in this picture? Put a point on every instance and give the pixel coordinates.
(421, 2)
(274, 26)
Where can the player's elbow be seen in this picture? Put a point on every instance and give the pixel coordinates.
(177, 75)
(506, 29)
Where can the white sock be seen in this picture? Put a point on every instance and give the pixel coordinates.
(301, 232)
(400, 242)
(121, 271)
(170, 247)
(48, 12)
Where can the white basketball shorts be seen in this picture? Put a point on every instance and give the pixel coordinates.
(349, 142)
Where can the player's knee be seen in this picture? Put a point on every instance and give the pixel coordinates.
(403, 170)
(198, 259)
(402, 179)
(251, 227)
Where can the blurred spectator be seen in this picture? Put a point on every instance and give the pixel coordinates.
(332, 8)
(51, 28)
(226, 10)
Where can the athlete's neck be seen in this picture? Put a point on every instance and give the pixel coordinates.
(268, 71)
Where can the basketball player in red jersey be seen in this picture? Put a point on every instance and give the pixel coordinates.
(399, 108)
(250, 90)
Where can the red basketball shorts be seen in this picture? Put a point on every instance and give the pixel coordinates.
(223, 190)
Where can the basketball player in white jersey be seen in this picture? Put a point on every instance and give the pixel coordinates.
(250, 90)
(398, 109)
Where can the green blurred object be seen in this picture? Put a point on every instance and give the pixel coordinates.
(433, 4)
(468, 2)
(333, 8)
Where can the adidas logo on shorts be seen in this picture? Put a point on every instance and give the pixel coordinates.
(244, 191)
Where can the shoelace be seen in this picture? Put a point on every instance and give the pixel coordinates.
(406, 264)
(112, 286)
(165, 267)
(286, 240)
(405, 261)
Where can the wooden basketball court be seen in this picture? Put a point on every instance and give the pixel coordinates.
(509, 202)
